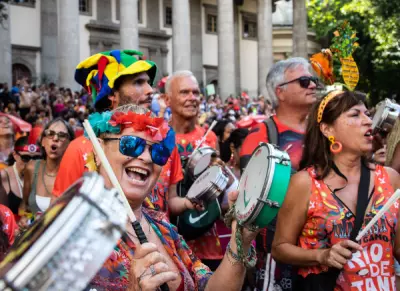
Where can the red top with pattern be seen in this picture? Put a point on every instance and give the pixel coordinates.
(329, 221)
(9, 224)
(207, 246)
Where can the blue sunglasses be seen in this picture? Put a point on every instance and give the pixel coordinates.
(134, 146)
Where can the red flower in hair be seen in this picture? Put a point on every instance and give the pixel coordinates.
(156, 127)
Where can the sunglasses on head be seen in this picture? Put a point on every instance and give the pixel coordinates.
(304, 81)
(60, 135)
(134, 146)
(27, 158)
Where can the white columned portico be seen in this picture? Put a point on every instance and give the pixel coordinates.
(300, 29)
(5, 48)
(129, 30)
(68, 42)
(265, 50)
(226, 49)
(181, 35)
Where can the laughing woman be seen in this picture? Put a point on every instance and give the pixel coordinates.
(137, 146)
(317, 223)
(40, 175)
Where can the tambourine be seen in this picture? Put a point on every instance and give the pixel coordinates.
(263, 186)
(199, 160)
(69, 243)
(385, 117)
(208, 186)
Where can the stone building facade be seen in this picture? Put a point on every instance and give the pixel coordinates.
(48, 38)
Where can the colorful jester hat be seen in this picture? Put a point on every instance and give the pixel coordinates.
(343, 45)
(98, 73)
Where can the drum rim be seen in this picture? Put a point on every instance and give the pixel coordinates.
(192, 157)
(252, 215)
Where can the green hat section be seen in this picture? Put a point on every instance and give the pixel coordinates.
(98, 73)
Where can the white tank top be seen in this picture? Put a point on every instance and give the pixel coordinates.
(43, 202)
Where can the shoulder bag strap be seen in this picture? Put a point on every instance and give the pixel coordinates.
(272, 131)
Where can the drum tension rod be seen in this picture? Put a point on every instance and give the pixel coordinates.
(281, 159)
(270, 203)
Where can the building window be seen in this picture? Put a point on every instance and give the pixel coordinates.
(249, 29)
(30, 3)
(139, 11)
(85, 6)
(211, 12)
(211, 23)
(168, 16)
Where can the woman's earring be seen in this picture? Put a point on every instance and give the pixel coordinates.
(336, 147)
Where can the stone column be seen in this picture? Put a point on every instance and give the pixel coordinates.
(226, 49)
(181, 35)
(48, 30)
(300, 29)
(5, 47)
(68, 42)
(129, 30)
(196, 34)
(164, 63)
(265, 50)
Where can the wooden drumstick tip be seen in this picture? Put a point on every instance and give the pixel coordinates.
(388, 204)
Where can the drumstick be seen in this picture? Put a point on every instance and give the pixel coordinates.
(106, 164)
(205, 136)
(385, 207)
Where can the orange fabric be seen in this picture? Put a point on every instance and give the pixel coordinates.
(9, 224)
(329, 221)
(171, 174)
(208, 246)
(72, 164)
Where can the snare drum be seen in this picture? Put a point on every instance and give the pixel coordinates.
(200, 160)
(263, 186)
(208, 186)
(385, 116)
(69, 243)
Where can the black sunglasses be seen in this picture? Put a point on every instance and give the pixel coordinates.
(304, 81)
(27, 159)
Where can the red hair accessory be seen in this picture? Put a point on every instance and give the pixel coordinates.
(156, 127)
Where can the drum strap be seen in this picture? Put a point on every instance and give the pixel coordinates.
(362, 203)
(272, 131)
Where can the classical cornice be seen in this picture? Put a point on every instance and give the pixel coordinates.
(26, 48)
(114, 28)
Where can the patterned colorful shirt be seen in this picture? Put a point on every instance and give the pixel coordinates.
(207, 246)
(330, 221)
(9, 224)
(114, 274)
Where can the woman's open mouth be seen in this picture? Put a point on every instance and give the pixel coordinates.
(137, 175)
(369, 135)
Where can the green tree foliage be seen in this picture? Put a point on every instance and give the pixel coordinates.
(377, 23)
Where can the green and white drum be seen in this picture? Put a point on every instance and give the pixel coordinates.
(263, 186)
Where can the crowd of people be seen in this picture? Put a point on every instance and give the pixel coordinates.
(148, 133)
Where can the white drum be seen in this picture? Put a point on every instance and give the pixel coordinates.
(387, 112)
(263, 186)
(69, 243)
(208, 186)
(200, 160)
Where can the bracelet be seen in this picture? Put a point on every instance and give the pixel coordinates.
(249, 261)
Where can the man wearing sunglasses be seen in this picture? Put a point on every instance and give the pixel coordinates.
(292, 89)
(116, 78)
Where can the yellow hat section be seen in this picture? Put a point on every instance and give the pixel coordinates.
(136, 67)
(93, 61)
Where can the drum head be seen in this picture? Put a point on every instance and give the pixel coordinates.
(202, 164)
(204, 182)
(380, 115)
(252, 184)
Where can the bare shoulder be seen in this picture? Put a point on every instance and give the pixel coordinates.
(301, 180)
(299, 189)
(394, 177)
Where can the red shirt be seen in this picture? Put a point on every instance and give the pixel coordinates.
(9, 224)
(171, 174)
(207, 246)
